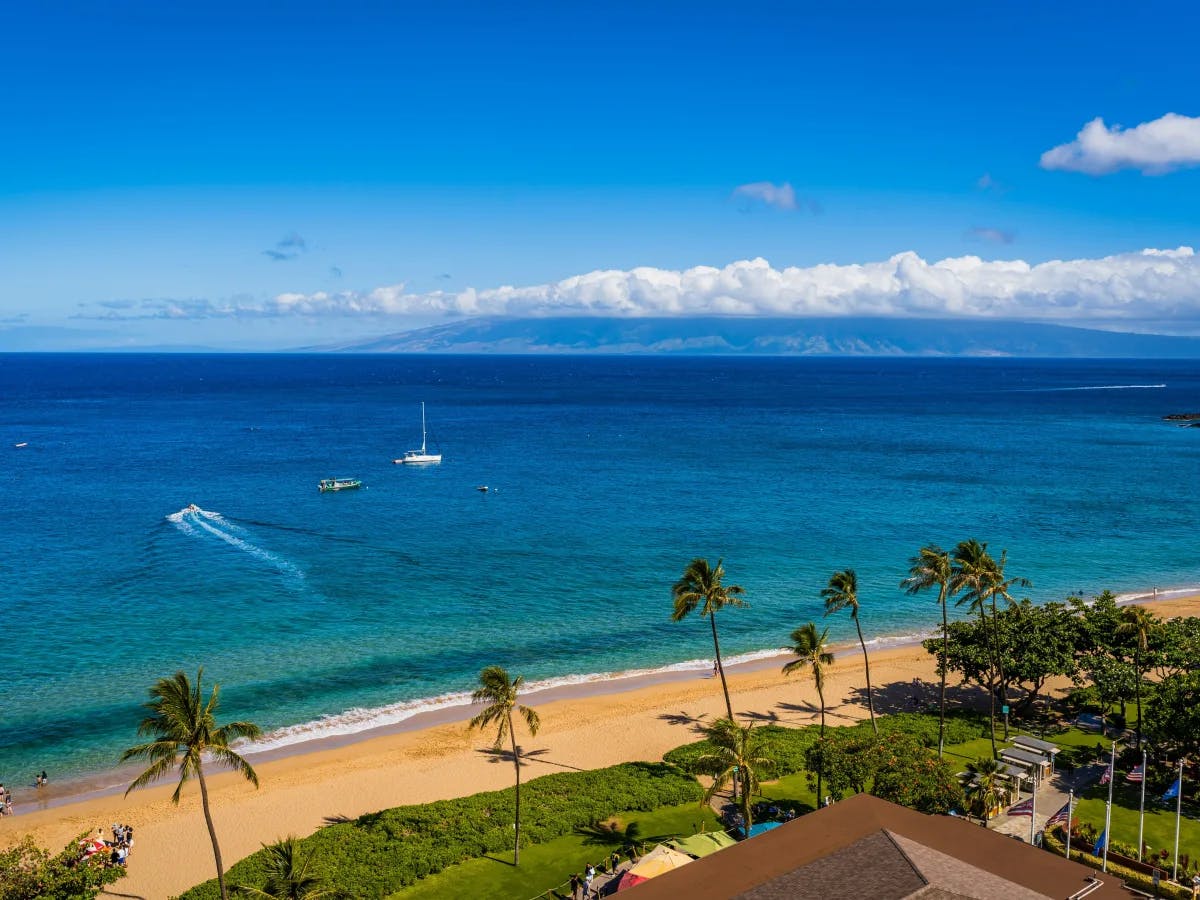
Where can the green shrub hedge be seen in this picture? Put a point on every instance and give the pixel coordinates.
(380, 853)
(786, 746)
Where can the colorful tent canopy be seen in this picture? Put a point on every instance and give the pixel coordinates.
(763, 826)
(660, 859)
(701, 845)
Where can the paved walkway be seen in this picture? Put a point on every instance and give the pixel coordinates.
(1051, 797)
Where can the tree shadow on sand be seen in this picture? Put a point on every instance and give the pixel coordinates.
(921, 696)
(684, 719)
(497, 755)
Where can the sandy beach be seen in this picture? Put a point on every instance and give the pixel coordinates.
(586, 727)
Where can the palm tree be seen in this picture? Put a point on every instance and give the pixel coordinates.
(500, 693)
(812, 655)
(972, 574)
(1138, 623)
(184, 729)
(931, 568)
(287, 874)
(735, 758)
(1000, 586)
(842, 593)
(700, 586)
(985, 792)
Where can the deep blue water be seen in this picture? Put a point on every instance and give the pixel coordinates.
(608, 475)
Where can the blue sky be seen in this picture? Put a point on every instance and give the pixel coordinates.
(168, 172)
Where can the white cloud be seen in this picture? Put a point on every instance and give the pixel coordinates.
(1149, 286)
(780, 196)
(1157, 147)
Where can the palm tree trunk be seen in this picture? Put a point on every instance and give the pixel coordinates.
(517, 767)
(867, 665)
(212, 833)
(1137, 666)
(746, 811)
(991, 688)
(945, 665)
(999, 661)
(821, 765)
(720, 667)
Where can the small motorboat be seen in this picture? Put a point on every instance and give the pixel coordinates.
(482, 488)
(338, 484)
(22, 444)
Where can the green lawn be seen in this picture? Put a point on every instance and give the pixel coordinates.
(1160, 819)
(791, 787)
(545, 866)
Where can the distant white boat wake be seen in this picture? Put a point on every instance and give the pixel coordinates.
(195, 522)
(1108, 387)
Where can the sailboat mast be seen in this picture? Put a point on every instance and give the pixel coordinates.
(422, 427)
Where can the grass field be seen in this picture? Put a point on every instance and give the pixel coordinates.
(546, 866)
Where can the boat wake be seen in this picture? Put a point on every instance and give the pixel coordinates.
(1104, 387)
(196, 522)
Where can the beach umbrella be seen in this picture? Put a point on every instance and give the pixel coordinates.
(660, 859)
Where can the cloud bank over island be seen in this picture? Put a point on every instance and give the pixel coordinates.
(1145, 290)
(1157, 147)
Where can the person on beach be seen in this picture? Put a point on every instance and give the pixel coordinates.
(45, 777)
(574, 886)
(588, 877)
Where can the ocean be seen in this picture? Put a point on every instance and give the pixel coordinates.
(331, 613)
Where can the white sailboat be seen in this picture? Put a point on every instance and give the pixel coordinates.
(419, 457)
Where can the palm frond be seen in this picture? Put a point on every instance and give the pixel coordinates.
(159, 769)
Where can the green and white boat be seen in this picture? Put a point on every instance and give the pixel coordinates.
(338, 484)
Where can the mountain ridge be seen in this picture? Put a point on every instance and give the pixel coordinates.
(711, 335)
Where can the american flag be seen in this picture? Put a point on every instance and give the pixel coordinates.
(1107, 776)
(1024, 808)
(1136, 775)
(1061, 817)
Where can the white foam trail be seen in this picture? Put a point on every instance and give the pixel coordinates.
(188, 520)
(1108, 387)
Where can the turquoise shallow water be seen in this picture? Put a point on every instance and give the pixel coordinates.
(326, 612)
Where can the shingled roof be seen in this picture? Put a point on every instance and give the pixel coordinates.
(867, 847)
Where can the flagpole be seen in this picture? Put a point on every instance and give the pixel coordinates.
(1178, 813)
(1070, 803)
(1142, 809)
(1112, 767)
(1033, 814)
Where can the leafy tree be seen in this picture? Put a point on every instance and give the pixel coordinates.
(842, 593)
(28, 871)
(500, 693)
(184, 729)
(894, 766)
(1174, 646)
(910, 775)
(812, 655)
(1102, 652)
(931, 568)
(1173, 715)
(288, 875)
(1138, 624)
(737, 758)
(701, 587)
(1035, 643)
(985, 791)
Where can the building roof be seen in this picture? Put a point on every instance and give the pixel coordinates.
(1029, 757)
(867, 847)
(1037, 744)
